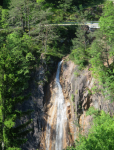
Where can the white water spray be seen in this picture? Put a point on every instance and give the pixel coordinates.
(61, 116)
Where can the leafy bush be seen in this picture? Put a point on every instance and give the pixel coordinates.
(91, 111)
(72, 97)
(100, 137)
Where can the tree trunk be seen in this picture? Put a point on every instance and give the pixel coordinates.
(28, 22)
(28, 26)
(2, 145)
(3, 118)
(107, 56)
(25, 14)
(2, 131)
(46, 39)
(85, 38)
(23, 24)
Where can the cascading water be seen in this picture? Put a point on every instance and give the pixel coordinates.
(60, 117)
(61, 113)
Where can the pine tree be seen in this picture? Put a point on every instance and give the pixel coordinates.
(42, 32)
(102, 50)
(34, 18)
(81, 43)
(18, 12)
(0, 16)
(106, 25)
(107, 20)
(14, 70)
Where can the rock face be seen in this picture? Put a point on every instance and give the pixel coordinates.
(76, 87)
(37, 103)
(49, 136)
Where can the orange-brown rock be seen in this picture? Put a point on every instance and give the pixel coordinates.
(77, 89)
(51, 114)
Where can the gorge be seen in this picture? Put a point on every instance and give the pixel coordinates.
(56, 75)
(72, 96)
(56, 137)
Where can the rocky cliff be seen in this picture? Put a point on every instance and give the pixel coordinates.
(77, 87)
(38, 86)
(52, 96)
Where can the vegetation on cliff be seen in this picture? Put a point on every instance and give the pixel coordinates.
(100, 135)
(20, 50)
(99, 53)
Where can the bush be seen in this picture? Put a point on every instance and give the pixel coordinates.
(101, 134)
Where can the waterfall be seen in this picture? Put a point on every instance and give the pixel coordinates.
(60, 117)
(61, 113)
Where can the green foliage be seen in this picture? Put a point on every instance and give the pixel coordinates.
(39, 1)
(80, 48)
(76, 73)
(20, 52)
(100, 54)
(4, 18)
(16, 57)
(89, 91)
(16, 148)
(72, 97)
(107, 19)
(92, 111)
(0, 16)
(76, 92)
(100, 135)
(95, 89)
(77, 56)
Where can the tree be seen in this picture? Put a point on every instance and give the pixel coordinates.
(100, 135)
(0, 16)
(15, 60)
(42, 33)
(102, 50)
(37, 18)
(107, 20)
(99, 51)
(19, 12)
(106, 25)
(81, 43)
(4, 18)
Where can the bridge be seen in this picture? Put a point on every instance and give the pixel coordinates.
(91, 24)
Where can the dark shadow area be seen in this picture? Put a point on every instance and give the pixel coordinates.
(63, 44)
(1, 2)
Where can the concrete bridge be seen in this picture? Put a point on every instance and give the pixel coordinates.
(92, 24)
